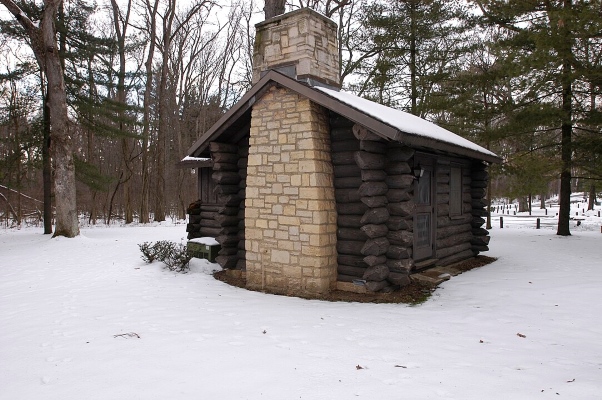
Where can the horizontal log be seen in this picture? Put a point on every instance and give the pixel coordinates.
(229, 199)
(403, 209)
(399, 278)
(350, 247)
(478, 249)
(477, 222)
(446, 221)
(352, 182)
(479, 212)
(398, 195)
(216, 147)
(225, 167)
(401, 153)
(230, 230)
(351, 260)
(401, 238)
(241, 264)
(347, 196)
(376, 273)
(349, 270)
(398, 168)
(443, 198)
(339, 123)
(375, 260)
(352, 208)
(448, 251)
(346, 278)
(400, 181)
(351, 234)
(374, 231)
(193, 211)
(398, 223)
(376, 286)
(227, 220)
(479, 175)
(452, 230)
(349, 221)
(375, 216)
(226, 177)
(478, 184)
(207, 215)
(442, 210)
(467, 208)
(195, 219)
(375, 247)
(345, 145)
(480, 232)
(226, 189)
(229, 210)
(443, 178)
(366, 160)
(227, 262)
(228, 251)
(362, 133)
(478, 203)
(242, 163)
(209, 232)
(231, 158)
(373, 189)
(378, 147)
(193, 227)
(375, 201)
(443, 188)
(398, 252)
(343, 157)
(228, 240)
(454, 240)
(403, 266)
(344, 171)
(477, 193)
(454, 258)
(480, 240)
(210, 223)
(376, 175)
(241, 253)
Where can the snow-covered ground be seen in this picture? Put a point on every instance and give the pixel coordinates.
(85, 318)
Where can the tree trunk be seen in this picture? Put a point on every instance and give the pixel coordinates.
(47, 169)
(274, 8)
(592, 197)
(566, 129)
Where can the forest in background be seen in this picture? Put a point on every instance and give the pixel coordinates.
(145, 78)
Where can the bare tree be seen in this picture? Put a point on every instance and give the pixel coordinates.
(273, 8)
(43, 42)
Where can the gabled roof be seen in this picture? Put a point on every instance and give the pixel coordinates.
(384, 121)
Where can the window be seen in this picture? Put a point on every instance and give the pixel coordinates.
(455, 192)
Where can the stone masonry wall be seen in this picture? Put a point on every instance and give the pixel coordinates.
(304, 39)
(290, 228)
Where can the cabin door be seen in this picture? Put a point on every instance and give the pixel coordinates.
(425, 209)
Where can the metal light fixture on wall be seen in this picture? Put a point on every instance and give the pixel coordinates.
(418, 171)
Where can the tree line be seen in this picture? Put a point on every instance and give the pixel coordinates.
(144, 78)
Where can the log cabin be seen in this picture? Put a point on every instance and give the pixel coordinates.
(308, 188)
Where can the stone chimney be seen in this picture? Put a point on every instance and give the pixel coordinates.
(290, 209)
(302, 44)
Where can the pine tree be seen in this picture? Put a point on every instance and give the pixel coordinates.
(543, 38)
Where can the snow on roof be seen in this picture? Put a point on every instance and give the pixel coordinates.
(188, 158)
(403, 121)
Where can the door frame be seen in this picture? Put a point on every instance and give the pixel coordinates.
(428, 164)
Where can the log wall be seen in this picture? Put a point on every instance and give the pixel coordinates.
(223, 218)
(375, 205)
